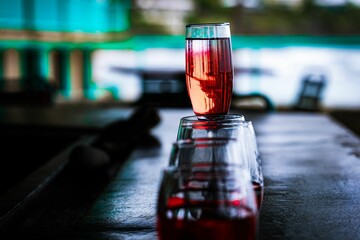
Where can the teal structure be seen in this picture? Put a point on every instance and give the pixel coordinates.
(89, 16)
(30, 17)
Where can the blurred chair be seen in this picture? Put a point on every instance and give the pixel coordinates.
(168, 89)
(252, 102)
(311, 92)
(164, 88)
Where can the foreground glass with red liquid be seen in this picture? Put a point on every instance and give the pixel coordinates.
(209, 68)
(206, 202)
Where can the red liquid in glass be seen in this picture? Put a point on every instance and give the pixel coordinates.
(206, 228)
(209, 75)
(258, 189)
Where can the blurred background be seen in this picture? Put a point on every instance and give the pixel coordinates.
(298, 55)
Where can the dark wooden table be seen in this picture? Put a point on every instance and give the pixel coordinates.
(312, 173)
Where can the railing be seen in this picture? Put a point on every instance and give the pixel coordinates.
(68, 65)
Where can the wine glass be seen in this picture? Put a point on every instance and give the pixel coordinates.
(209, 68)
(205, 201)
(231, 126)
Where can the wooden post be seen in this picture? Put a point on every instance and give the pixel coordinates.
(87, 74)
(76, 74)
(1, 66)
(11, 64)
(59, 70)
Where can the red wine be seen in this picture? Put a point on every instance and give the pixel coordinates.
(209, 75)
(259, 192)
(207, 229)
(208, 226)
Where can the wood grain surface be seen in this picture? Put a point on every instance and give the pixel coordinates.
(311, 168)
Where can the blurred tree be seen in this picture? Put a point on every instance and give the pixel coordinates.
(209, 11)
(305, 18)
(264, 17)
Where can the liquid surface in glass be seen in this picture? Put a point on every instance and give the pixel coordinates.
(209, 75)
(210, 226)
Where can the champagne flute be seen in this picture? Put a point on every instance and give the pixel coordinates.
(209, 68)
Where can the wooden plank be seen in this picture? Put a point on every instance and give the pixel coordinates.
(311, 177)
(39, 210)
(17, 200)
(311, 170)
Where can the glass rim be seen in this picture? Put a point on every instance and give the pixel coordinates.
(205, 141)
(207, 24)
(202, 167)
(227, 121)
(220, 119)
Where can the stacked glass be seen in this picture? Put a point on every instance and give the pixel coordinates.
(230, 126)
(213, 186)
(207, 195)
